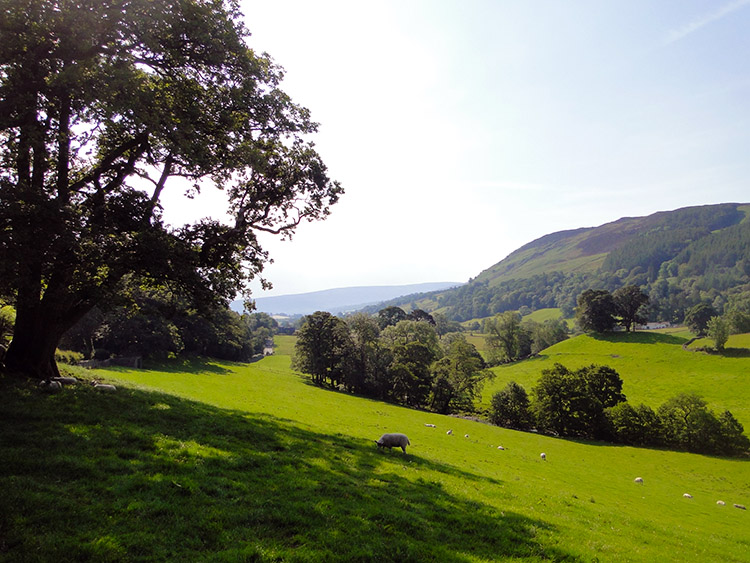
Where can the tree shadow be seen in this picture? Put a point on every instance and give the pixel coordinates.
(150, 476)
(638, 337)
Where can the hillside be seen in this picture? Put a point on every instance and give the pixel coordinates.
(679, 257)
(339, 300)
(216, 461)
(653, 366)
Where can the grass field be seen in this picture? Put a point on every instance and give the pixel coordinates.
(653, 367)
(215, 461)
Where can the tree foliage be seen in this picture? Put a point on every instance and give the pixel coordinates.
(697, 317)
(102, 107)
(572, 403)
(629, 304)
(457, 377)
(718, 330)
(596, 311)
(510, 408)
(324, 348)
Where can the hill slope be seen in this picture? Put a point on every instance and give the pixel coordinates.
(223, 461)
(679, 257)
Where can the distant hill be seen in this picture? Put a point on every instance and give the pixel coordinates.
(679, 258)
(340, 300)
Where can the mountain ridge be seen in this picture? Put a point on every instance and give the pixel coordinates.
(680, 258)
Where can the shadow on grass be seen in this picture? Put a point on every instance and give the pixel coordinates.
(639, 337)
(196, 365)
(140, 476)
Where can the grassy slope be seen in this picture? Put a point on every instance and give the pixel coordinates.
(249, 462)
(653, 366)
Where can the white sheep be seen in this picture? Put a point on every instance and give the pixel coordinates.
(105, 387)
(720, 502)
(638, 480)
(466, 435)
(430, 425)
(393, 441)
(65, 380)
(543, 456)
(740, 506)
(687, 495)
(450, 432)
(500, 448)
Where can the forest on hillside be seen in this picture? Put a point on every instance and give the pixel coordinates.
(679, 259)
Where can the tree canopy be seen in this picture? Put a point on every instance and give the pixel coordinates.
(102, 106)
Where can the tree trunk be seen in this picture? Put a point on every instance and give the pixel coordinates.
(40, 324)
(32, 350)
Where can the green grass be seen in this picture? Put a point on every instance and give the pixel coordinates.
(541, 315)
(653, 367)
(215, 461)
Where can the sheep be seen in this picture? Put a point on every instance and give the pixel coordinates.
(450, 432)
(466, 435)
(687, 495)
(105, 387)
(740, 506)
(393, 441)
(500, 448)
(430, 425)
(638, 480)
(720, 502)
(49, 386)
(543, 456)
(65, 380)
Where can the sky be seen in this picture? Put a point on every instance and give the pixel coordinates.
(461, 130)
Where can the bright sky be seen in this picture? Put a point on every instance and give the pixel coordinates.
(463, 129)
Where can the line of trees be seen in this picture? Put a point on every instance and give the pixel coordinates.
(402, 358)
(589, 403)
(155, 323)
(600, 311)
(509, 337)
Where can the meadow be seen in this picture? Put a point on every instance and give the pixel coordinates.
(653, 366)
(205, 460)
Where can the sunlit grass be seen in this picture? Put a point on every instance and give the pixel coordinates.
(233, 462)
(653, 367)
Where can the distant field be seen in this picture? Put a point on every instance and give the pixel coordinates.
(653, 366)
(541, 315)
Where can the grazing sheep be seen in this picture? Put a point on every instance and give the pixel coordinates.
(50, 386)
(65, 380)
(449, 432)
(543, 456)
(688, 495)
(638, 480)
(740, 506)
(500, 448)
(393, 441)
(720, 502)
(430, 425)
(466, 435)
(105, 387)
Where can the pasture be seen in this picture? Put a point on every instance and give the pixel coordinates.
(225, 462)
(652, 365)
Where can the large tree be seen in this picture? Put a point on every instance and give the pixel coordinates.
(102, 106)
(596, 311)
(629, 302)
